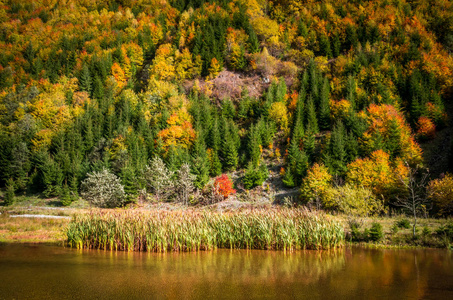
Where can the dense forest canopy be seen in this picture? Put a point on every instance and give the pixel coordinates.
(339, 93)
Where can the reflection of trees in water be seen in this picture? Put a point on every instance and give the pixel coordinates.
(50, 272)
(398, 274)
(248, 266)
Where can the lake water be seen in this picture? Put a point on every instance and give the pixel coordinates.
(51, 272)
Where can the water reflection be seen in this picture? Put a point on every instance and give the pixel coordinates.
(53, 272)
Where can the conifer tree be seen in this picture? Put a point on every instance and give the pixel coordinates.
(215, 168)
(324, 106)
(129, 183)
(214, 135)
(254, 145)
(312, 121)
(309, 144)
(337, 150)
(393, 141)
(85, 79)
(301, 167)
(253, 43)
(352, 147)
(200, 162)
(10, 192)
(293, 152)
(288, 178)
(65, 196)
(324, 46)
(229, 153)
(98, 88)
(350, 91)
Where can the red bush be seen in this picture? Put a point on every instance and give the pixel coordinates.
(224, 186)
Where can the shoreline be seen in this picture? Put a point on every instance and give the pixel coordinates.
(44, 225)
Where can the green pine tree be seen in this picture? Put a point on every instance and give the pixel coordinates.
(10, 192)
(324, 106)
(288, 178)
(312, 121)
(337, 149)
(85, 79)
(200, 163)
(215, 168)
(392, 143)
(253, 145)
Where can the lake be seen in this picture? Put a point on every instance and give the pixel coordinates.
(52, 272)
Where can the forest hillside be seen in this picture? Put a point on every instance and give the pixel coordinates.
(192, 101)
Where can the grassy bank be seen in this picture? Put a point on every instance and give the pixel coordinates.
(31, 230)
(241, 225)
(397, 232)
(160, 231)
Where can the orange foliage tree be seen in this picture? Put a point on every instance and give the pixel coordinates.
(426, 128)
(224, 186)
(386, 122)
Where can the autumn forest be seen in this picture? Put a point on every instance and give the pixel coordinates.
(340, 105)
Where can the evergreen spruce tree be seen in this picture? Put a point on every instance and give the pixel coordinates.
(214, 135)
(337, 149)
(415, 110)
(352, 147)
(309, 144)
(215, 168)
(324, 46)
(312, 121)
(288, 178)
(255, 175)
(324, 106)
(377, 141)
(65, 196)
(393, 144)
(172, 160)
(301, 167)
(293, 152)
(336, 45)
(249, 176)
(253, 43)
(98, 88)
(350, 91)
(129, 182)
(85, 79)
(200, 162)
(280, 90)
(229, 153)
(253, 145)
(10, 192)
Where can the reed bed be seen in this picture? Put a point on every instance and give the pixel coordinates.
(161, 231)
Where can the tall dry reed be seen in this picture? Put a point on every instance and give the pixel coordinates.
(161, 231)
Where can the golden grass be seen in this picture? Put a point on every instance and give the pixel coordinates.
(160, 231)
(32, 230)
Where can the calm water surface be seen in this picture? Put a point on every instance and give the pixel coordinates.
(49, 272)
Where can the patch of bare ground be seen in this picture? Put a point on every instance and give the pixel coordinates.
(231, 85)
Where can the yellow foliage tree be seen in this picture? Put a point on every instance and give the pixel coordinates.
(440, 191)
(214, 68)
(377, 173)
(316, 184)
(179, 132)
(279, 114)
